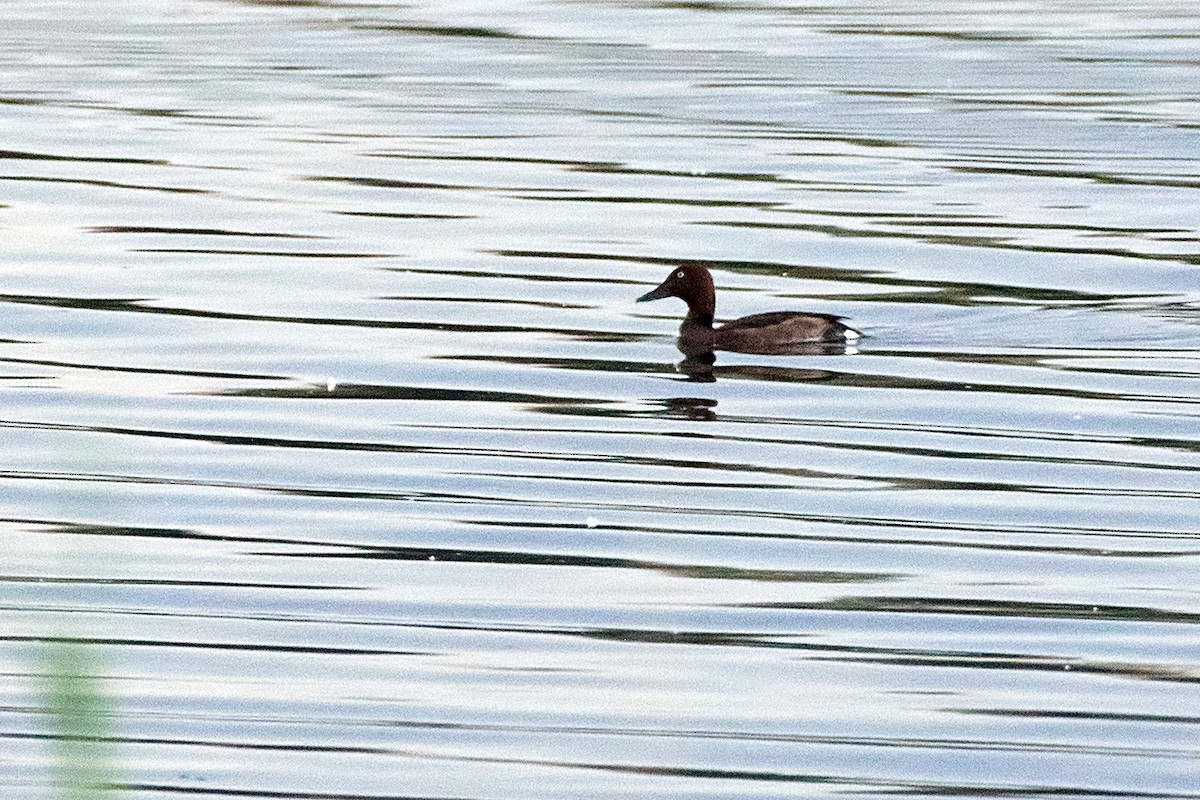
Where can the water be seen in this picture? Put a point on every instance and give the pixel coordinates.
(338, 461)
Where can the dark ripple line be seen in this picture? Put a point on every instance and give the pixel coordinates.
(975, 745)
(929, 428)
(525, 558)
(1008, 547)
(709, 572)
(21, 155)
(518, 276)
(619, 168)
(890, 656)
(465, 395)
(990, 608)
(319, 444)
(725, 735)
(1189, 182)
(1050, 358)
(761, 205)
(358, 391)
(97, 529)
(487, 301)
(187, 373)
(772, 639)
(235, 646)
(454, 31)
(570, 164)
(1141, 672)
(453, 555)
(281, 747)
(209, 251)
(1101, 716)
(965, 290)
(643, 481)
(966, 221)
(138, 305)
(835, 519)
(70, 527)
(860, 380)
(889, 481)
(462, 498)
(198, 232)
(942, 789)
(192, 584)
(403, 215)
(960, 241)
(265, 794)
(1175, 445)
(105, 184)
(800, 738)
(391, 183)
(871, 29)
(203, 117)
(937, 789)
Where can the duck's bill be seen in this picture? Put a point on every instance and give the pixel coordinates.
(655, 294)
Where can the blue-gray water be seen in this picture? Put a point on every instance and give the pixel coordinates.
(339, 463)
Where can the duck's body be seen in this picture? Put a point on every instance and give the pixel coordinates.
(778, 332)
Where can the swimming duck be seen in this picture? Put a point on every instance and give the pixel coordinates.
(776, 333)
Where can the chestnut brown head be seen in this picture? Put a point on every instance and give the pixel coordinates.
(691, 283)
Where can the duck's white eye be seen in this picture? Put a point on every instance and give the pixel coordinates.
(679, 274)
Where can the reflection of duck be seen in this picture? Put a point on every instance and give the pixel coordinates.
(776, 333)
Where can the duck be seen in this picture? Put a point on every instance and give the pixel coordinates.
(773, 333)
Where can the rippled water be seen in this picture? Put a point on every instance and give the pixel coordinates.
(338, 462)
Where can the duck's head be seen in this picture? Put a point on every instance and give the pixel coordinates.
(692, 284)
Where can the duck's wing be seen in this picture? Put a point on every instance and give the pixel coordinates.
(781, 332)
(790, 325)
(785, 318)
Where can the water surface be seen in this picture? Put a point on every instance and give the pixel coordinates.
(338, 461)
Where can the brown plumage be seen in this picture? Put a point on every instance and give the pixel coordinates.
(778, 332)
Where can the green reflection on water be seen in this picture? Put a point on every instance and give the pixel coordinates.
(80, 713)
